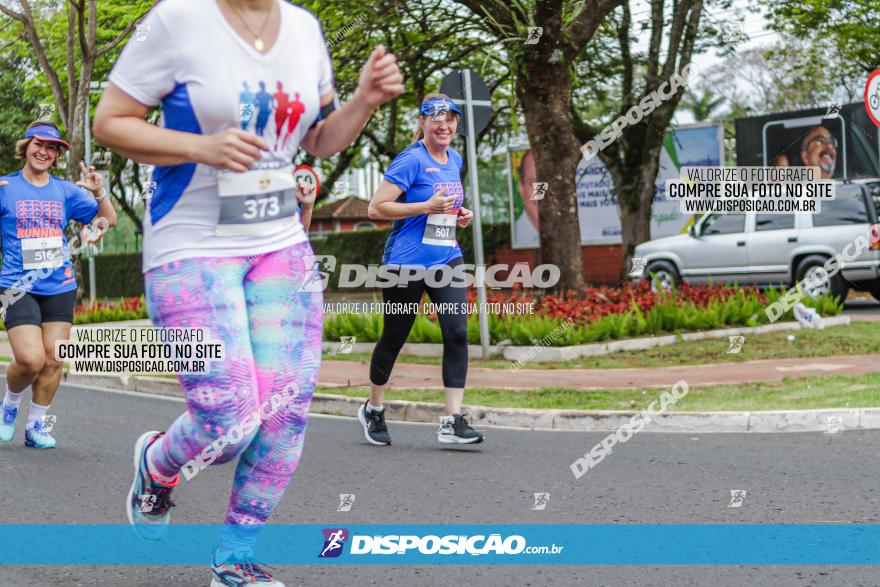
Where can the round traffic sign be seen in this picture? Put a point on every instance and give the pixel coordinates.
(307, 174)
(872, 97)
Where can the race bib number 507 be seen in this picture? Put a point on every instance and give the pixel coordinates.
(440, 228)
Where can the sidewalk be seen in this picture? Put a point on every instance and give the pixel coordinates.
(408, 376)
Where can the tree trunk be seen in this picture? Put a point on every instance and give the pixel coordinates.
(544, 90)
(76, 136)
(636, 194)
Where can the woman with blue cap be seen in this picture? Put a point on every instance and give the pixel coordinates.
(422, 193)
(37, 280)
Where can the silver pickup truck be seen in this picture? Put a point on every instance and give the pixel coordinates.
(773, 249)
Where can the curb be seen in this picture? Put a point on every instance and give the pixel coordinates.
(817, 420)
(555, 354)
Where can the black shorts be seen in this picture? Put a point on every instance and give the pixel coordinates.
(35, 309)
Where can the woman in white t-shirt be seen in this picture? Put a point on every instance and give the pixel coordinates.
(225, 248)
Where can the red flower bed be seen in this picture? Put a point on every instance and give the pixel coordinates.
(596, 302)
(125, 305)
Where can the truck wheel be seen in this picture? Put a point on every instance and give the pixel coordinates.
(663, 275)
(814, 265)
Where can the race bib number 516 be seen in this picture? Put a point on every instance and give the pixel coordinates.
(37, 253)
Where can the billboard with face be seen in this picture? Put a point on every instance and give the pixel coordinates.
(841, 141)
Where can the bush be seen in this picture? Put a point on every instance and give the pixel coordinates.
(624, 312)
(125, 309)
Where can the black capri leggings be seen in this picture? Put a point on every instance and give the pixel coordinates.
(453, 325)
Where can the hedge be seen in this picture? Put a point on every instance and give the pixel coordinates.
(119, 275)
(670, 315)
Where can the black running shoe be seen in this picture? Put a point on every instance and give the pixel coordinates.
(375, 430)
(455, 430)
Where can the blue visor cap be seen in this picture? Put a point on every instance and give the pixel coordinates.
(435, 106)
(45, 132)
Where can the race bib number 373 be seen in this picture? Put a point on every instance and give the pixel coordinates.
(250, 200)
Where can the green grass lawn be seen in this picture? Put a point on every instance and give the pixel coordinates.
(860, 337)
(836, 391)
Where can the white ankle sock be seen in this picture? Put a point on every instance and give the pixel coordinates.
(372, 408)
(11, 398)
(36, 413)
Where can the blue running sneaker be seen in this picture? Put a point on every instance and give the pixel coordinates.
(7, 426)
(148, 503)
(36, 437)
(237, 569)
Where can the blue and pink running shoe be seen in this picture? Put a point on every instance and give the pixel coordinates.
(148, 504)
(237, 569)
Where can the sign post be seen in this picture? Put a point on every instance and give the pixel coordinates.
(467, 88)
(94, 88)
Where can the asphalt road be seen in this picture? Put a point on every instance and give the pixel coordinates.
(862, 305)
(654, 478)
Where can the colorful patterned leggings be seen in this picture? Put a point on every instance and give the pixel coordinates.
(272, 336)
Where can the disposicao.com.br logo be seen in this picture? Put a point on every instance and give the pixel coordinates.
(431, 544)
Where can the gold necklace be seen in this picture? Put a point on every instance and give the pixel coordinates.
(258, 41)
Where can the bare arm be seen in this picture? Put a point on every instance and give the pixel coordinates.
(384, 206)
(92, 182)
(305, 193)
(380, 81)
(119, 124)
(340, 129)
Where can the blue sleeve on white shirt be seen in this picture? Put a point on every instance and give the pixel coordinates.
(81, 206)
(403, 171)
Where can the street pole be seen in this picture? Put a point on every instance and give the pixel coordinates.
(92, 281)
(478, 231)
(94, 88)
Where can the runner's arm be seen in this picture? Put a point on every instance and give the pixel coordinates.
(305, 194)
(380, 81)
(92, 182)
(384, 206)
(339, 130)
(119, 124)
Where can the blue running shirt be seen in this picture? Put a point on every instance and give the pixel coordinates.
(32, 223)
(420, 176)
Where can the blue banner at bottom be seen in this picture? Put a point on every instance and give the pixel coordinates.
(489, 544)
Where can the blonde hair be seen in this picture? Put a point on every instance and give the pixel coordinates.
(420, 129)
(21, 146)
